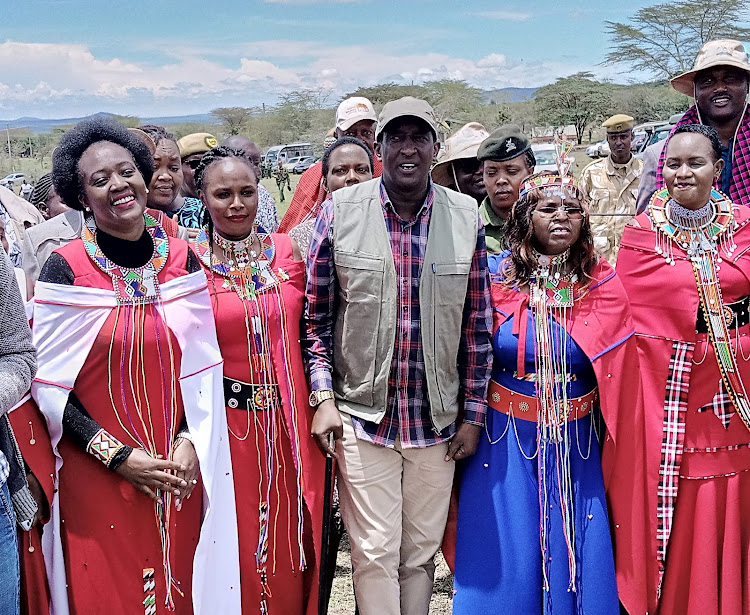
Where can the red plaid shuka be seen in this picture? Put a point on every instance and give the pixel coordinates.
(673, 441)
(739, 188)
(310, 194)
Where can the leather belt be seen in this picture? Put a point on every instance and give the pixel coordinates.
(736, 314)
(248, 396)
(527, 408)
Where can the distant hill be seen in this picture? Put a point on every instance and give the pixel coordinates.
(507, 95)
(37, 125)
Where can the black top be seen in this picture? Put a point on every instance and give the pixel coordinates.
(77, 422)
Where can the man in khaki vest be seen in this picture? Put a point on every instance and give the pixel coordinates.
(612, 187)
(399, 355)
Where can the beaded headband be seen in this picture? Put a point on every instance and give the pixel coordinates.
(549, 181)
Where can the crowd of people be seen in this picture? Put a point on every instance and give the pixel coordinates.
(541, 374)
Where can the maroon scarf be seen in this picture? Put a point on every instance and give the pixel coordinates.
(739, 186)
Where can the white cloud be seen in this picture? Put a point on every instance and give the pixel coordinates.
(65, 80)
(504, 15)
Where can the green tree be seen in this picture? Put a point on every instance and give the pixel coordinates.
(128, 120)
(453, 101)
(380, 94)
(232, 119)
(648, 102)
(664, 39)
(578, 100)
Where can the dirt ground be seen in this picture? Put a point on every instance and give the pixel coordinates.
(342, 596)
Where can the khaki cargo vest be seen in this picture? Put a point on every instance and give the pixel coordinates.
(365, 327)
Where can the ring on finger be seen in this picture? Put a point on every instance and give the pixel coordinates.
(194, 481)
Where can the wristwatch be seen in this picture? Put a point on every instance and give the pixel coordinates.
(318, 397)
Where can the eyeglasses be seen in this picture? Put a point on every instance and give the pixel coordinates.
(574, 212)
(193, 164)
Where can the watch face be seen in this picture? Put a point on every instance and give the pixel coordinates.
(314, 398)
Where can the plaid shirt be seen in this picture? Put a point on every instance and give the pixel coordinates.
(739, 167)
(408, 411)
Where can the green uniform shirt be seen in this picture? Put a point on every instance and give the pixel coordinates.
(494, 227)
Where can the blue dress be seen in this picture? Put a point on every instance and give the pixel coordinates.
(498, 542)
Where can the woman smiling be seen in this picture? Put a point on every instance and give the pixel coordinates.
(257, 284)
(128, 367)
(686, 266)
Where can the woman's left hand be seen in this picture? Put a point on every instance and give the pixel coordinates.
(184, 453)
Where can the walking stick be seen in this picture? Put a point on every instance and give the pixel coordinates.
(323, 595)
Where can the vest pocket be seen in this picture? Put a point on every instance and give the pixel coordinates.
(360, 278)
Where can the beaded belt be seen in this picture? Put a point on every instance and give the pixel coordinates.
(252, 397)
(736, 314)
(527, 408)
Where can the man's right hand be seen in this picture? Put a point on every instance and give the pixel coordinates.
(327, 420)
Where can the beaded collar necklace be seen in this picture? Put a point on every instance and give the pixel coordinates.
(246, 271)
(708, 229)
(132, 286)
(704, 235)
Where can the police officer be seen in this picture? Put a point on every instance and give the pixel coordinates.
(612, 186)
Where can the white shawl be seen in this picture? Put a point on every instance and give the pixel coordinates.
(67, 320)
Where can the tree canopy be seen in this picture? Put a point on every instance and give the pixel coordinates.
(663, 39)
(232, 119)
(577, 100)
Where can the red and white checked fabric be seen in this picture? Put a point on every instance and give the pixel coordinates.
(721, 405)
(673, 441)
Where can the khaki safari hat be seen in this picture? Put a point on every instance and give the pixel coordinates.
(353, 110)
(464, 143)
(408, 106)
(618, 123)
(196, 143)
(722, 52)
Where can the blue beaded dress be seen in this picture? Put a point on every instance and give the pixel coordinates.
(499, 543)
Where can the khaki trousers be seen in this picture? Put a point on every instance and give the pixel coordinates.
(394, 504)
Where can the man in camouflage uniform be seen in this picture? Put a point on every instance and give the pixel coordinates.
(612, 187)
(282, 177)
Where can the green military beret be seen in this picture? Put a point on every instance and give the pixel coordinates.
(503, 144)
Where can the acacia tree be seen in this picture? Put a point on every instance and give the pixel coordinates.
(380, 94)
(232, 119)
(577, 100)
(664, 39)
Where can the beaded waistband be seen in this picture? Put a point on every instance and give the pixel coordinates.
(526, 407)
(249, 396)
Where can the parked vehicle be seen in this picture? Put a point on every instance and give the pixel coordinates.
(291, 163)
(304, 164)
(16, 178)
(286, 152)
(545, 157)
(596, 150)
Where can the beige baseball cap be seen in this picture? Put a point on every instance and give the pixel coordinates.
(408, 106)
(353, 110)
(721, 52)
(464, 143)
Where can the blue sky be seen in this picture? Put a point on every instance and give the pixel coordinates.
(63, 58)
